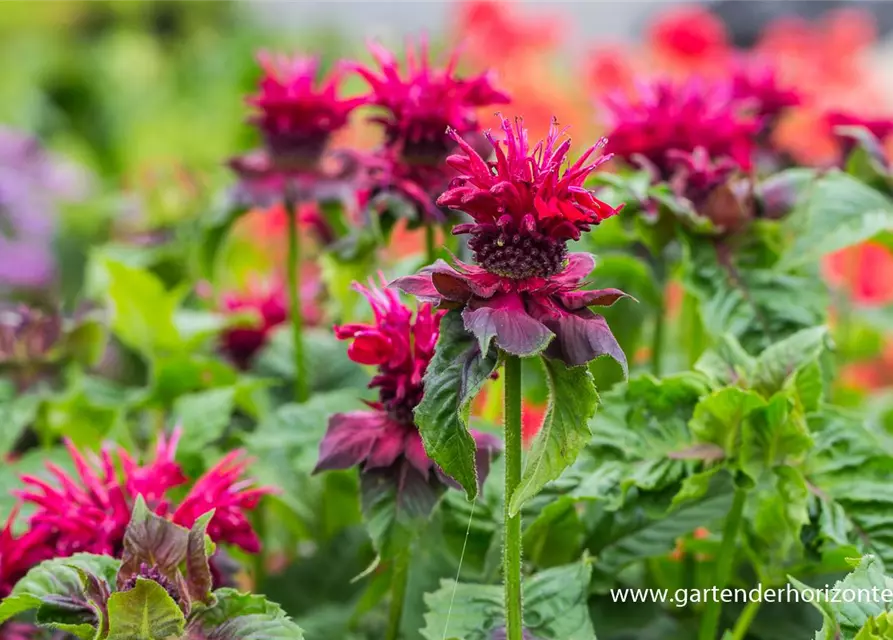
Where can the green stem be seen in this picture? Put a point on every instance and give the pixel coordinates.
(512, 538)
(657, 340)
(399, 580)
(430, 247)
(294, 294)
(724, 563)
(744, 620)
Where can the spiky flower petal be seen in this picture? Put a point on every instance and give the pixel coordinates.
(401, 346)
(295, 114)
(665, 116)
(89, 511)
(421, 101)
(527, 203)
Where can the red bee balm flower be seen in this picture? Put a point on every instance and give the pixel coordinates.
(90, 511)
(422, 103)
(668, 116)
(401, 347)
(757, 85)
(526, 290)
(295, 115)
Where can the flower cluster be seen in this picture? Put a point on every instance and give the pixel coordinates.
(401, 346)
(417, 107)
(525, 290)
(668, 116)
(89, 511)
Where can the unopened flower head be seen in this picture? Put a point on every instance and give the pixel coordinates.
(527, 203)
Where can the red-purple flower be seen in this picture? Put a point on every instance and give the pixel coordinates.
(241, 343)
(225, 489)
(526, 290)
(757, 86)
(295, 114)
(422, 102)
(401, 346)
(666, 116)
(19, 553)
(89, 511)
(525, 208)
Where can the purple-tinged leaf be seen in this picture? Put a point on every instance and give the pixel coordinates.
(198, 571)
(583, 336)
(154, 541)
(504, 319)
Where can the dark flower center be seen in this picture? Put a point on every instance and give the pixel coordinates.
(153, 573)
(517, 256)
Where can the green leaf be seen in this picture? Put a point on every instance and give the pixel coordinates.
(783, 359)
(396, 508)
(198, 572)
(145, 612)
(58, 584)
(17, 412)
(85, 342)
(555, 607)
(850, 466)
(204, 416)
(142, 310)
(720, 417)
(572, 402)
(726, 363)
(455, 375)
(844, 620)
(775, 514)
(241, 616)
(743, 291)
(837, 211)
(772, 435)
(152, 540)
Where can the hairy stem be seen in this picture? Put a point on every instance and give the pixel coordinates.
(294, 296)
(399, 581)
(724, 563)
(512, 538)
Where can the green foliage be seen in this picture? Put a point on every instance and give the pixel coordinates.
(555, 607)
(454, 377)
(145, 612)
(572, 402)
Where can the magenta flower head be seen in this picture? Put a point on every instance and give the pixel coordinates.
(295, 114)
(386, 438)
(89, 511)
(666, 116)
(270, 305)
(422, 103)
(524, 292)
(757, 86)
(19, 553)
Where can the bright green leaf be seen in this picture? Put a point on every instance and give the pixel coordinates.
(453, 379)
(572, 402)
(145, 612)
